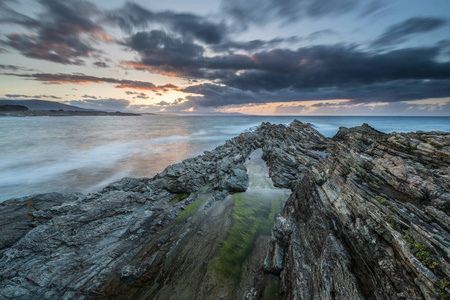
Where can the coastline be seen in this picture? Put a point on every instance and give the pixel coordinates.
(365, 207)
(62, 113)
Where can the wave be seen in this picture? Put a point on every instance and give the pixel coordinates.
(32, 168)
(105, 182)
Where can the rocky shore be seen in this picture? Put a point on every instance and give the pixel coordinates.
(364, 215)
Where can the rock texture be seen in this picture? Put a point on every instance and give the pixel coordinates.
(368, 218)
(370, 221)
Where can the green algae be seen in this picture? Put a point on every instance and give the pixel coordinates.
(252, 216)
(179, 197)
(190, 209)
(271, 289)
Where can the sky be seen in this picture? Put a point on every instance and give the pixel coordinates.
(266, 57)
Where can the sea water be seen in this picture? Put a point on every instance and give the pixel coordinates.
(46, 154)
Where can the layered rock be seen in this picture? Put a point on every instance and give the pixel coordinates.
(368, 218)
(371, 221)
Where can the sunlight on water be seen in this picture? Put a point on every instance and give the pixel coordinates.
(45, 154)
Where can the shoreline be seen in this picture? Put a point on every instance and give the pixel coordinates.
(63, 113)
(365, 207)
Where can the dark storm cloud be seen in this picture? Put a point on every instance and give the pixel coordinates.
(59, 34)
(188, 25)
(402, 31)
(163, 53)
(330, 72)
(211, 95)
(316, 72)
(336, 66)
(48, 78)
(304, 68)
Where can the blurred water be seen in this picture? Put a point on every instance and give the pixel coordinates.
(44, 154)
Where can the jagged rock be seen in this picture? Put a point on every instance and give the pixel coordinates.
(368, 218)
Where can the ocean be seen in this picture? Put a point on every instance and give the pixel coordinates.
(84, 154)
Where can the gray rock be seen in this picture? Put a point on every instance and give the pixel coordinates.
(367, 220)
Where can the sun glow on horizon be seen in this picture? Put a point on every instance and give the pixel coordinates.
(281, 108)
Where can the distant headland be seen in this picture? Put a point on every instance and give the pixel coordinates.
(36, 108)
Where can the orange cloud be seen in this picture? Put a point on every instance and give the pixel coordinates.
(56, 79)
(160, 69)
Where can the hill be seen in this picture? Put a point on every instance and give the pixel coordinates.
(8, 107)
(43, 105)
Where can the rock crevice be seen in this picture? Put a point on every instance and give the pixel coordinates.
(368, 218)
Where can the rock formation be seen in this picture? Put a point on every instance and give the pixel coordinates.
(367, 218)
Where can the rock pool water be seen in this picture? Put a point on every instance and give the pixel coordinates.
(212, 246)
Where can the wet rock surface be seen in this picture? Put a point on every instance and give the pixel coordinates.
(368, 218)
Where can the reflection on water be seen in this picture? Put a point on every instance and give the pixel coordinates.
(43, 154)
(86, 153)
(253, 215)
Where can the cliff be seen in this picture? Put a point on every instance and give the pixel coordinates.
(364, 215)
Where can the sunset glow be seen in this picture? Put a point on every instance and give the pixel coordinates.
(288, 60)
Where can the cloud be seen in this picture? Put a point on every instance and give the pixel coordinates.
(141, 96)
(320, 34)
(231, 46)
(373, 7)
(14, 68)
(201, 50)
(10, 16)
(210, 95)
(384, 109)
(60, 34)
(35, 96)
(317, 72)
(336, 66)
(16, 96)
(89, 97)
(163, 53)
(100, 64)
(289, 109)
(261, 12)
(187, 25)
(401, 32)
(59, 78)
(330, 66)
(162, 103)
(110, 104)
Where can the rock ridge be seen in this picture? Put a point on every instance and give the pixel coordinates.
(368, 218)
